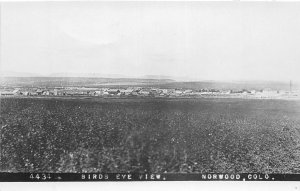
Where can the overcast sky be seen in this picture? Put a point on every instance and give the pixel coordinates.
(198, 40)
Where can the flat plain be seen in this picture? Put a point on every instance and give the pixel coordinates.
(150, 135)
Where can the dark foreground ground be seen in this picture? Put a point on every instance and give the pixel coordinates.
(154, 135)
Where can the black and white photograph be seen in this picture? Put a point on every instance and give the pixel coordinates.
(150, 91)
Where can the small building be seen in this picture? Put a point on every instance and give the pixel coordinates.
(126, 91)
(164, 91)
(39, 92)
(98, 93)
(91, 93)
(55, 92)
(51, 93)
(17, 92)
(26, 93)
(188, 91)
(245, 93)
(171, 91)
(178, 92)
(144, 92)
(46, 93)
(134, 93)
(113, 91)
(227, 92)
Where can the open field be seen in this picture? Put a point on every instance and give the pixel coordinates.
(154, 135)
(125, 82)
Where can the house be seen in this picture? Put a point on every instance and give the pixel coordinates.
(79, 93)
(178, 92)
(188, 91)
(33, 94)
(51, 92)
(154, 90)
(26, 93)
(98, 93)
(113, 91)
(55, 92)
(134, 93)
(144, 92)
(227, 92)
(46, 93)
(164, 91)
(237, 91)
(69, 93)
(17, 92)
(91, 93)
(39, 92)
(244, 91)
(171, 91)
(126, 91)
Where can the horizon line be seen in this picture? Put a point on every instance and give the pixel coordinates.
(162, 79)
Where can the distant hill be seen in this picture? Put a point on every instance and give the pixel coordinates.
(87, 75)
(147, 81)
(79, 82)
(237, 85)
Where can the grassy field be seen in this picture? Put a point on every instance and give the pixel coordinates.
(153, 135)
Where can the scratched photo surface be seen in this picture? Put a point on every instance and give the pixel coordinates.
(155, 87)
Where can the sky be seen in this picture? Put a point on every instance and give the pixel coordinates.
(193, 40)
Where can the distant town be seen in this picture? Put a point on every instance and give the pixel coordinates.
(147, 92)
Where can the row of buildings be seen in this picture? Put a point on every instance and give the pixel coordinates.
(141, 92)
(95, 92)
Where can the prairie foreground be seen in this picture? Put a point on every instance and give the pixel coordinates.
(150, 135)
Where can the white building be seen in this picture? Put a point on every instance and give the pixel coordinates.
(16, 92)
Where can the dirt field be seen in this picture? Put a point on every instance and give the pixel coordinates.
(153, 135)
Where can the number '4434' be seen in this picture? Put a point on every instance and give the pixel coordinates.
(40, 176)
